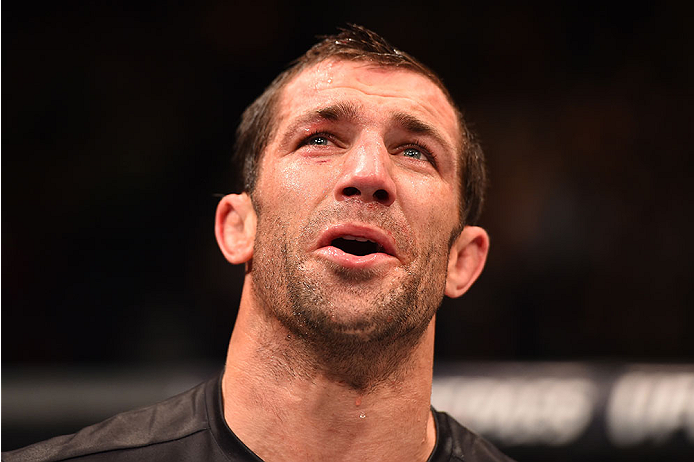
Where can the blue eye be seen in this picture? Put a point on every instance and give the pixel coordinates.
(413, 153)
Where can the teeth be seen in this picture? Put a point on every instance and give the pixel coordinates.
(355, 238)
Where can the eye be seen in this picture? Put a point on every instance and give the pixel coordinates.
(318, 140)
(413, 153)
(418, 152)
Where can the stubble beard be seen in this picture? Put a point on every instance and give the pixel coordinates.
(362, 350)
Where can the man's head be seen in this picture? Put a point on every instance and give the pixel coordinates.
(354, 234)
(259, 120)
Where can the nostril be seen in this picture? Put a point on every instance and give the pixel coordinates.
(381, 195)
(351, 191)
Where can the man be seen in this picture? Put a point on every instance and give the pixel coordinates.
(361, 189)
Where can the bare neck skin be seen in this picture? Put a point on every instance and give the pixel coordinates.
(285, 411)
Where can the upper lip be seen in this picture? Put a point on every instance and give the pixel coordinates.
(374, 234)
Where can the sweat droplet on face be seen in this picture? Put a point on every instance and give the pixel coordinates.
(362, 415)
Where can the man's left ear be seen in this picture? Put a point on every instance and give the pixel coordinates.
(466, 260)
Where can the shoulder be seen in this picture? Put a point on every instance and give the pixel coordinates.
(179, 417)
(462, 444)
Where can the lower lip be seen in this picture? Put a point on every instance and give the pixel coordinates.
(349, 260)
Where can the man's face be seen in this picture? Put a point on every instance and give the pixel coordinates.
(357, 200)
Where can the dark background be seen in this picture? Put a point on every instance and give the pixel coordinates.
(118, 123)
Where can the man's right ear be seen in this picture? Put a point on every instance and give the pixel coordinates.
(235, 224)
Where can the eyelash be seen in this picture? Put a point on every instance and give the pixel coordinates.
(316, 134)
(426, 152)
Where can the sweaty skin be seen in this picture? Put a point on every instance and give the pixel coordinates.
(301, 188)
(331, 356)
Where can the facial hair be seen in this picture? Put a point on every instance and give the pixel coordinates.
(308, 297)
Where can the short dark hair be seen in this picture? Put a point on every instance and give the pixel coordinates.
(354, 43)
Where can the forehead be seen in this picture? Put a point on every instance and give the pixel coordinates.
(379, 89)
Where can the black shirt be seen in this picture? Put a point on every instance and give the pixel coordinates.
(191, 427)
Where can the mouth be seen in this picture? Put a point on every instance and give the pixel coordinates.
(357, 246)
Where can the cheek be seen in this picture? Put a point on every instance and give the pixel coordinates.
(289, 186)
(430, 207)
(294, 181)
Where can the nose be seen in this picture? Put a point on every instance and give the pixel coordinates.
(366, 175)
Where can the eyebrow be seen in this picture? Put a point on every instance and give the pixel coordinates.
(339, 111)
(345, 110)
(349, 111)
(414, 125)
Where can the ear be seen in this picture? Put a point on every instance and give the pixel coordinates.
(235, 224)
(466, 260)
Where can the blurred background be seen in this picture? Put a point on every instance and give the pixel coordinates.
(118, 124)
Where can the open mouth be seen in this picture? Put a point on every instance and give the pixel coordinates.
(356, 245)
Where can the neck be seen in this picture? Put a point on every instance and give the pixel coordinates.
(285, 406)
